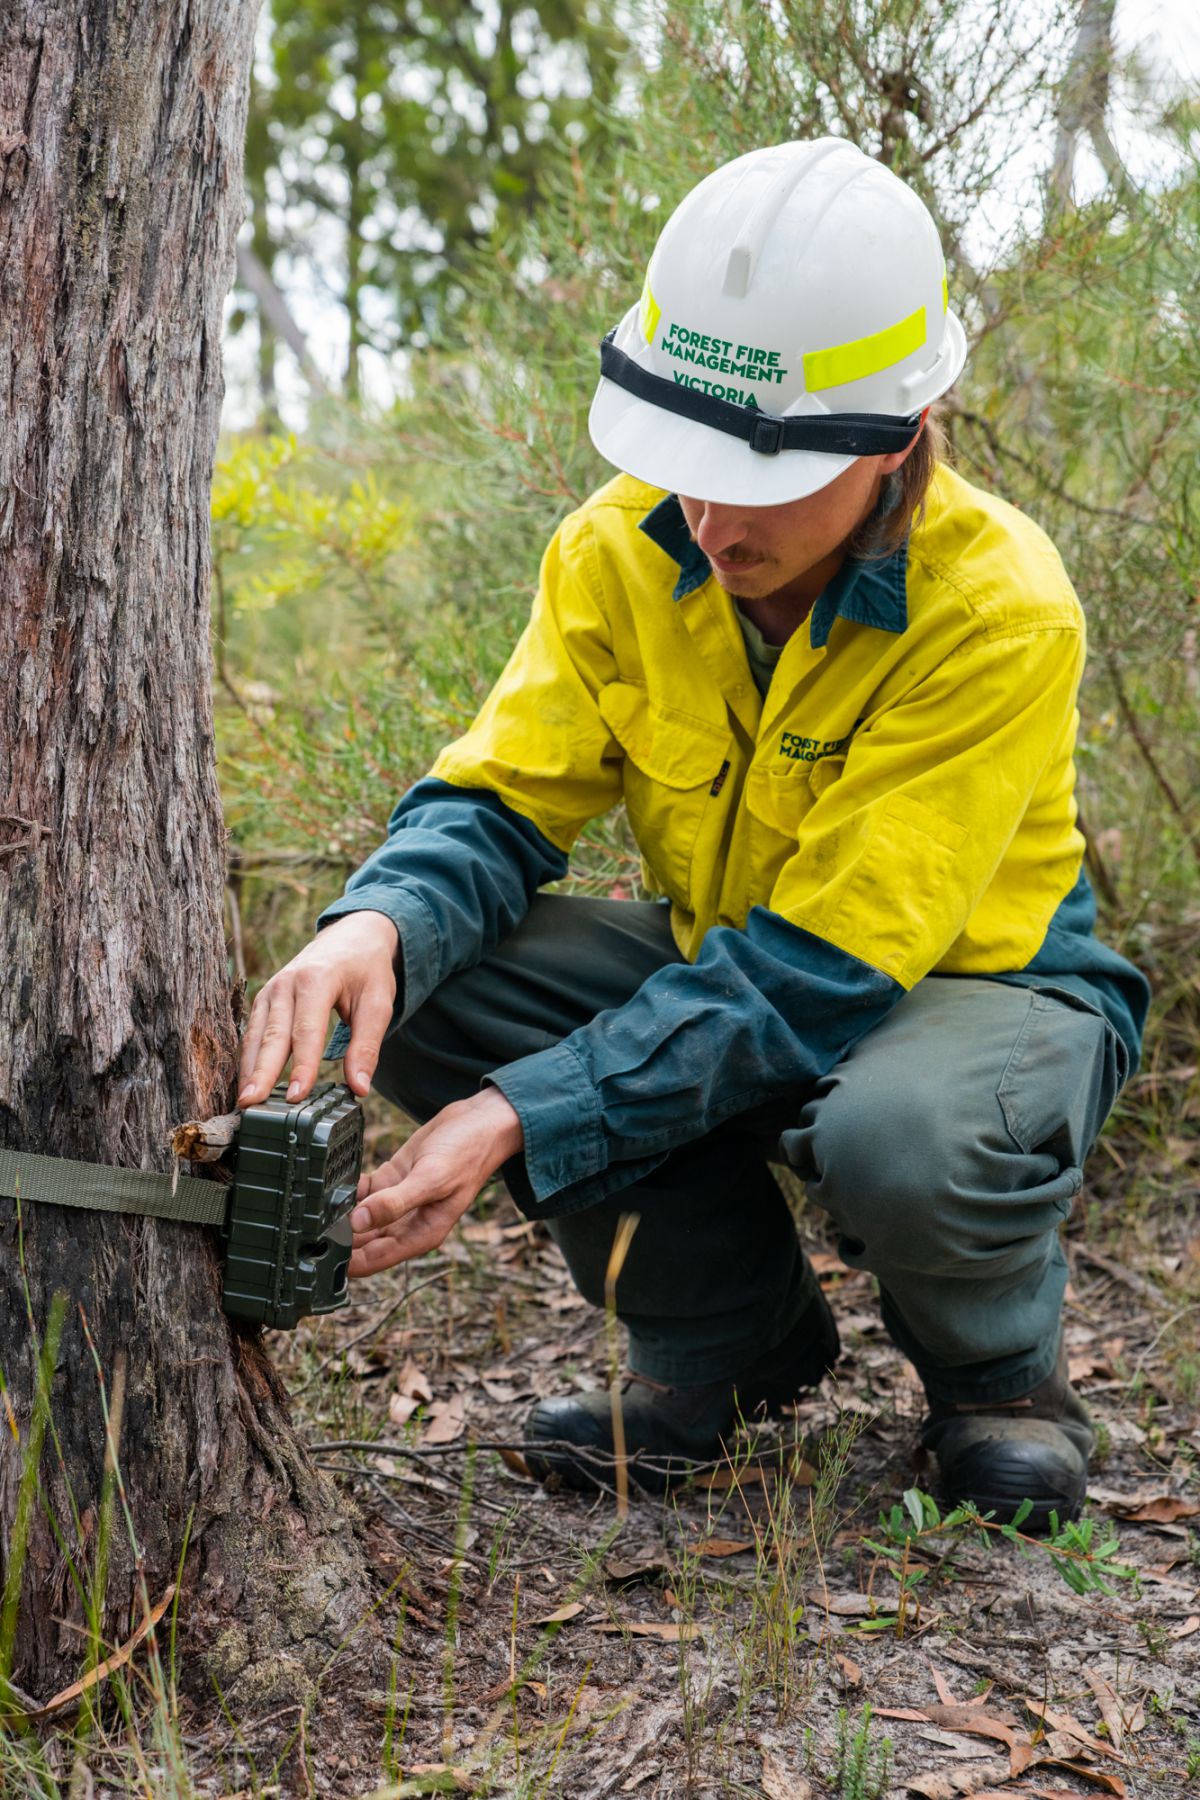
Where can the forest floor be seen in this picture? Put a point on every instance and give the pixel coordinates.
(749, 1635)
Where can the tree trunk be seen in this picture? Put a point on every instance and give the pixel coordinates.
(355, 210)
(1083, 105)
(275, 320)
(121, 133)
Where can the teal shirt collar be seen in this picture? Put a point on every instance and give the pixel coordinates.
(873, 591)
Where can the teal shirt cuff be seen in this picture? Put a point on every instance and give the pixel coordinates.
(455, 875)
(417, 963)
(560, 1114)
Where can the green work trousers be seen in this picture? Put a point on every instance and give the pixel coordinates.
(946, 1148)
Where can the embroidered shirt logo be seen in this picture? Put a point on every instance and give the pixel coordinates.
(806, 749)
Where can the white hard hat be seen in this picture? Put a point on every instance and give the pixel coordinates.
(794, 317)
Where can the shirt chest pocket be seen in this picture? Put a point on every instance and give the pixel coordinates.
(782, 798)
(672, 763)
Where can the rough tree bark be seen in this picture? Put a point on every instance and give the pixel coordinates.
(121, 133)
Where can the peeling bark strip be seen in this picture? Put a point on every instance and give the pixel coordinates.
(121, 132)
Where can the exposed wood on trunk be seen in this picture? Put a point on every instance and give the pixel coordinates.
(121, 126)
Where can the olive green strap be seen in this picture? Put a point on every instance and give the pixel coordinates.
(97, 1188)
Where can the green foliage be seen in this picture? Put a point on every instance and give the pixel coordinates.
(279, 536)
(414, 134)
(1082, 1551)
(863, 1768)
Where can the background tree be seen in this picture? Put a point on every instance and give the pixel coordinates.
(396, 139)
(120, 193)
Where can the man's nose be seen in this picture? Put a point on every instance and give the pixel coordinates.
(720, 528)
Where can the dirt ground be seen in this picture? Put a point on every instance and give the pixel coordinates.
(729, 1641)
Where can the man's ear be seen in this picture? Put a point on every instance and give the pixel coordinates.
(889, 464)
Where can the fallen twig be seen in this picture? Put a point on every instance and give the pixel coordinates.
(1136, 1283)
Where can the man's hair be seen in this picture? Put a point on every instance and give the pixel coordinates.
(883, 533)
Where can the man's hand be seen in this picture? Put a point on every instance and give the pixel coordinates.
(350, 966)
(409, 1205)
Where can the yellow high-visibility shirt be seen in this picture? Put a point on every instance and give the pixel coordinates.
(901, 802)
(905, 791)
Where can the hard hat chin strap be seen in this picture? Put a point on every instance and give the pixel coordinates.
(830, 434)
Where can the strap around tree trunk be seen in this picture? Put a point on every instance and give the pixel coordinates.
(95, 1187)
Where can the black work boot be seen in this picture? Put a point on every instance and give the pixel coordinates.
(1032, 1448)
(669, 1430)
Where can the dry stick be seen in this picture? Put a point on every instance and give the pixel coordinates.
(596, 1459)
(376, 1478)
(627, 1224)
(1137, 1283)
(205, 1140)
(442, 1489)
(562, 1444)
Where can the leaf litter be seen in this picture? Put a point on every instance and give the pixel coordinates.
(998, 1655)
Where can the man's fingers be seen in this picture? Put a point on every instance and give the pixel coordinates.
(387, 1175)
(377, 1210)
(272, 1050)
(370, 1016)
(414, 1236)
(384, 1206)
(310, 1025)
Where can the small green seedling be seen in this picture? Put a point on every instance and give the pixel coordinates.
(1082, 1551)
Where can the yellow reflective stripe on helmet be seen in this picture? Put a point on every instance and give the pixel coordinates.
(651, 313)
(945, 291)
(864, 355)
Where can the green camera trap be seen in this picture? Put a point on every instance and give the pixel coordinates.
(287, 1231)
